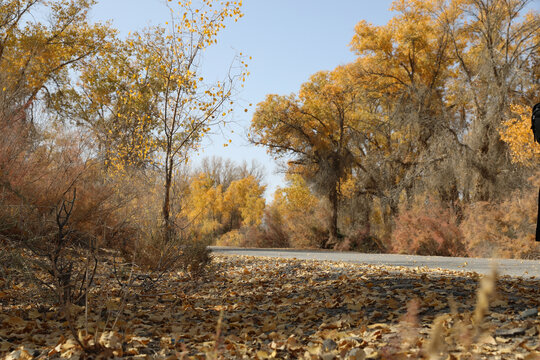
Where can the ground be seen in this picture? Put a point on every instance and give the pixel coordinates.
(254, 307)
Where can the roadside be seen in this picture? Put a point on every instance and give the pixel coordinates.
(510, 267)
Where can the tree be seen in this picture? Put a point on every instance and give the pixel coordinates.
(494, 46)
(296, 215)
(403, 67)
(215, 209)
(243, 203)
(148, 101)
(437, 92)
(313, 130)
(188, 107)
(36, 58)
(204, 205)
(117, 102)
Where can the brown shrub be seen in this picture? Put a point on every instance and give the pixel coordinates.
(255, 237)
(195, 256)
(37, 175)
(281, 228)
(234, 238)
(428, 228)
(308, 228)
(361, 241)
(31, 212)
(273, 233)
(157, 254)
(506, 229)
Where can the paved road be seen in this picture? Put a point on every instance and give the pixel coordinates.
(524, 268)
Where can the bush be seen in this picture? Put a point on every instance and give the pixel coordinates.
(195, 256)
(274, 233)
(281, 228)
(307, 228)
(428, 228)
(37, 175)
(232, 238)
(156, 255)
(361, 241)
(505, 230)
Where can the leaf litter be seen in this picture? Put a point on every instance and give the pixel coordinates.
(267, 308)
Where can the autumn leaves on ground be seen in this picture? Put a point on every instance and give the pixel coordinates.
(422, 145)
(255, 308)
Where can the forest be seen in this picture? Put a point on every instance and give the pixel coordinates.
(422, 145)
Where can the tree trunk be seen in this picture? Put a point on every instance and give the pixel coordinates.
(166, 201)
(333, 226)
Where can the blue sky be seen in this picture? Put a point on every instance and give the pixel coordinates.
(288, 40)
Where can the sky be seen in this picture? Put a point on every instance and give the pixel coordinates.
(288, 41)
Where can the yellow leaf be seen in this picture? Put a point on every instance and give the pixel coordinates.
(20, 354)
(261, 354)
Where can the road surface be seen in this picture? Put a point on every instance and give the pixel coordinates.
(523, 268)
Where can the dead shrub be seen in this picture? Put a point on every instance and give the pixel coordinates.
(307, 228)
(361, 241)
(157, 254)
(428, 228)
(506, 229)
(56, 232)
(36, 171)
(248, 236)
(273, 233)
(233, 238)
(195, 256)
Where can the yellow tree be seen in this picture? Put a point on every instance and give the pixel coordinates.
(243, 203)
(117, 101)
(402, 68)
(215, 210)
(148, 99)
(204, 205)
(313, 132)
(160, 104)
(189, 107)
(36, 57)
(495, 47)
(299, 210)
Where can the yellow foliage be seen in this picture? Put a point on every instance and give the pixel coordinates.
(301, 211)
(33, 53)
(246, 196)
(517, 133)
(232, 238)
(205, 204)
(295, 198)
(213, 210)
